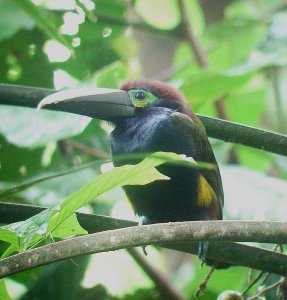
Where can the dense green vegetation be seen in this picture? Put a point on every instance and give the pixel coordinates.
(227, 57)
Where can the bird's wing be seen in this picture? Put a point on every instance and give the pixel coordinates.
(202, 150)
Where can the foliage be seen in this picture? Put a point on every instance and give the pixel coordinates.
(103, 44)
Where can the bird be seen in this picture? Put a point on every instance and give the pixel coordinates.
(164, 122)
(151, 116)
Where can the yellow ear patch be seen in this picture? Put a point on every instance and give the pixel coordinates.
(205, 193)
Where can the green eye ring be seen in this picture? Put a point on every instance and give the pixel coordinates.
(141, 97)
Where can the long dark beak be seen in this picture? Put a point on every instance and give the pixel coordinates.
(105, 104)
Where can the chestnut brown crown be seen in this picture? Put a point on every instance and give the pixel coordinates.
(161, 90)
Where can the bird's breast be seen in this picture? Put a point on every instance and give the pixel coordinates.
(160, 201)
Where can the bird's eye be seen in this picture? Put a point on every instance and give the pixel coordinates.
(140, 95)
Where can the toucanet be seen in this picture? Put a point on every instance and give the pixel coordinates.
(151, 116)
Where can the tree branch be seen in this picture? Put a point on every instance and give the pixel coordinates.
(177, 236)
(267, 289)
(199, 53)
(216, 128)
(245, 135)
(191, 37)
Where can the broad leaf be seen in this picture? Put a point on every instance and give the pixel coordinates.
(10, 11)
(206, 86)
(44, 22)
(3, 291)
(34, 129)
(60, 220)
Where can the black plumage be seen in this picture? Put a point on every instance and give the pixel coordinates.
(167, 124)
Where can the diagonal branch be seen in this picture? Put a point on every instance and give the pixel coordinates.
(199, 54)
(216, 128)
(165, 289)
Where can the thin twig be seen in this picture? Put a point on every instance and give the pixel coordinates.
(261, 274)
(191, 37)
(282, 5)
(200, 55)
(202, 286)
(267, 289)
(87, 150)
(166, 290)
(261, 11)
(19, 188)
(275, 80)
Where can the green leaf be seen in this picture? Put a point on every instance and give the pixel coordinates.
(26, 233)
(23, 62)
(246, 107)
(43, 126)
(9, 251)
(140, 174)
(207, 86)
(9, 191)
(151, 12)
(253, 159)
(43, 22)
(57, 219)
(70, 227)
(8, 236)
(3, 291)
(12, 19)
(111, 76)
(227, 52)
(94, 52)
(17, 163)
(260, 61)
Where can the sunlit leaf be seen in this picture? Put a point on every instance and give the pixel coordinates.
(8, 192)
(206, 87)
(70, 227)
(142, 173)
(111, 76)
(42, 127)
(246, 107)
(9, 11)
(25, 233)
(150, 11)
(43, 21)
(3, 291)
(61, 217)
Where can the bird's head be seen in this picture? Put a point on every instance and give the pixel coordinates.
(148, 92)
(109, 104)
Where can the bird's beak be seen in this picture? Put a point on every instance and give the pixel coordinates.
(105, 104)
